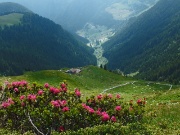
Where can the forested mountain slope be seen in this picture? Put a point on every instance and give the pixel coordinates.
(150, 44)
(37, 43)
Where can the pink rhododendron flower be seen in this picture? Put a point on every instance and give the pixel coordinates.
(15, 84)
(46, 85)
(10, 101)
(105, 116)
(65, 109)
(23, 83)
(16, 90)
(63, 85)
(31, 97)
(118, 96)
(113, 119)
(58, 103)
(63, 102)
(83, 105)
(139, 101)
(64, 89)
(56, 91)
(40, 92)
(5, 104)
(100, 96)
(91, 110)
(109, 95)
(77, 92)
(22, 97)
(98, 112)
(118, 108)
(55, 103)
(51, 89)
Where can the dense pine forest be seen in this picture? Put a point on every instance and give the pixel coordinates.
(38, 43)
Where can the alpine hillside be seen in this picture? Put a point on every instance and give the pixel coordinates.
(149, 45)
(94, 20)
(29, 42)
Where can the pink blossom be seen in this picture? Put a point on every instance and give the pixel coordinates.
(40, 92)
(56, 91)
(77, 92)
(63, 102)
(139, 101)
(113, 119)
(64, 89)
(105, 116)
(65, 109)
(91, 110)
(100, 96)
(55, 103)
(51, 89)
(98, 112)
(118, 96)
(22, 97)
(16, 90)
(83, 105)
(46, 85)
(15, 84)
(23, 83)
(5, 104)
(118, 108)
(63, 85)
(109, 95)
(10, 101)
(31, 97)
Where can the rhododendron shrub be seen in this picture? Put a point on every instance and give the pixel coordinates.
(42, 109)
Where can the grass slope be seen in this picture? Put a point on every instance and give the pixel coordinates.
(94, 80)
(10, 19)
(91, 80)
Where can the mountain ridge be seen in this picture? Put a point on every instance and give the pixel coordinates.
(149, 44)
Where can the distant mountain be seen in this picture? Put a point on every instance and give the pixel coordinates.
(30, 42)
(73, 15)
(150, 44)
(9, 7)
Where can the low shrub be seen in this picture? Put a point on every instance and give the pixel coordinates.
(43, 109)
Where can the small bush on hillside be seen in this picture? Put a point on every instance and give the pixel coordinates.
(43, 109)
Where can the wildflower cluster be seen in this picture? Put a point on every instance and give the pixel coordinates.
(45, 108)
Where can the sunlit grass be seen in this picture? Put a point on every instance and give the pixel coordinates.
(10, 19)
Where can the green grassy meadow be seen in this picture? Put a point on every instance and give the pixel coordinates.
(163, 100)
(10, 19)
